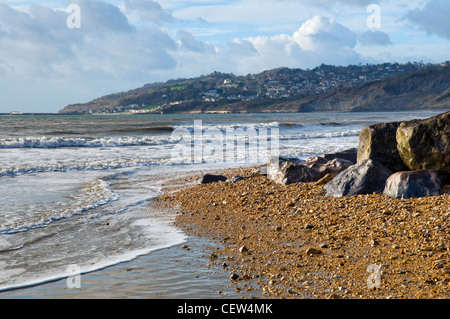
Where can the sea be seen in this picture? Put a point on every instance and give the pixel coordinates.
(76, 190)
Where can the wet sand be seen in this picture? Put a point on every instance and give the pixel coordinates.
(293, 242)
(169, 273)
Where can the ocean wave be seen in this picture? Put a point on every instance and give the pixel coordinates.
(60, 142)
(94, 194)
(332, 124)
(348, 133)
(89, 166)
(234, 126)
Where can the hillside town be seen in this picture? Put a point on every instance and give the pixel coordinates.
(222, 88)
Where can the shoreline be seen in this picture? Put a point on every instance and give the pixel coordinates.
(293, 242)
(166, 273)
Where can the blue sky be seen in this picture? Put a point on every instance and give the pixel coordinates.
(46, 63)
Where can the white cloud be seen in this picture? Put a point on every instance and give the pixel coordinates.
(123, 44)
(319, 34)
(318, 40)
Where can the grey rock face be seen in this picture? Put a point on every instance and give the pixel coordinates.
(413, 184)
(365, 177)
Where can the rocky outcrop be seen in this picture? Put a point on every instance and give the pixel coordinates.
(287, 171)
(378, 142)
(425, 144)
(422, 146)
(366, 177)
(413, 184)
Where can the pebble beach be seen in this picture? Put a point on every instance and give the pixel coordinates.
(290, 241)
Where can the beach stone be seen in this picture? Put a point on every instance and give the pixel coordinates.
(365, 177)
(425, 144)
(313, 251)
(288, 170)
(234, 179)
(234, 277)
(349, 155)
(378, 142)
(243, 250)
(410, 184)
(209, 178)
(259, 170)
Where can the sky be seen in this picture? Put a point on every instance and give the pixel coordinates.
(59, 52)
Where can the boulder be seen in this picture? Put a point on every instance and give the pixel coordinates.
(316, 161)
(287, 171)
(208, 178)
(409, 184)
(349, 155)
(337, 165)
(425, 144)
(378, 142)
(279, 168)
(366, 177)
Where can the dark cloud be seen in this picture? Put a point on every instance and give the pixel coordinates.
(374, 38)
(434, 18)
(188, 42)
(243, 48)
(38, 43)
(102, 17)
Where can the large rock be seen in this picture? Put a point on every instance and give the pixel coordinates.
(287, 170)
(366, 177)
(378, 142)
(277, 167)
(413, 184)
(425, 144)
(209, 178)
(349, 155)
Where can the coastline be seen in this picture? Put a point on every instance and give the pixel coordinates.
(293, 242)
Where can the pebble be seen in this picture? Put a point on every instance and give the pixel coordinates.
(374, 242)
(234, 277)
(243, 249)
(313, 251)
(213, 256)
